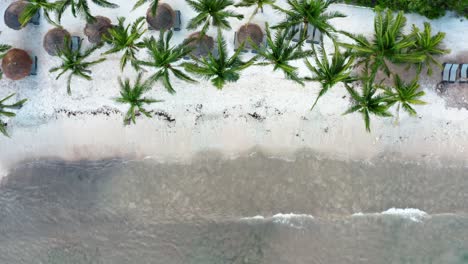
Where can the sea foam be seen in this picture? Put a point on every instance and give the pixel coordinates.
(412, 214)
(291, 219)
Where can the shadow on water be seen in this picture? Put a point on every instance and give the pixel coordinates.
(117, 211)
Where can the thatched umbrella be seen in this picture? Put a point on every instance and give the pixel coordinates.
(201, 46)
(95, 30)
(252, 31)
(55, 40)
(16, 64)
(13, 13)
(164, 19)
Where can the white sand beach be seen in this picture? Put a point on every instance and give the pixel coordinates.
(262, 110)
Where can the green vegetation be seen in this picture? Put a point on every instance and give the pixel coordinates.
(259, 5)
(164, 58)
(73, 62)
(127, 40)
(3, 50)
(219, 68)
(35, 6)
(5, 111)
(153, 5)
(132, 95)
(80, 7)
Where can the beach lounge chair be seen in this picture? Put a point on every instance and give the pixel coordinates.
(313, 35)
(237, 44)
(446, 72)
(297, 36)
(75, 43)
(464, 73)
(34, 66)
(35, 20)
(454, 73)
(178, 21)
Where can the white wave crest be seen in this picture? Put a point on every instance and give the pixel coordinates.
(412, 214)
(291, 219)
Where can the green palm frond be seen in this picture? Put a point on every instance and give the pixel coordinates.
(6, 110)
(133, 95)
(281, 50)
(74, 63)
(34, 6)
(211, 12)
(405, 95)
(221, 68)
(153, 5)
(259, 5)
(126, 39)
(165, 59)
(329, 73)
(80, 8)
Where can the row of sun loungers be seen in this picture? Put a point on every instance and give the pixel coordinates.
(313, 35)
(455, 72)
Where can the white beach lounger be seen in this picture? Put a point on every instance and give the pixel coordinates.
(178, 21)
(446, 72)
(237, 44)
(36, 19)
(464, 73)
(75, 43)
(34, 66)
(453, 73)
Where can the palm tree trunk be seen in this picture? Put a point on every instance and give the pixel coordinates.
(304, 33)
(397, 115)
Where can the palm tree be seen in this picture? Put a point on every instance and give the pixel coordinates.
(34, 6)
(4, 111)
(388, 44)
(153, 5)
(164, 58)
(220, 69)
(81, 7)
(309, 12)
(259, 4)
(428, 45)
(369, 101)
(126, 39)
(211, 12)
(3, 50)
(133, 95)
(73, 62)
(405, 95)
(327, 73)
(281, 50)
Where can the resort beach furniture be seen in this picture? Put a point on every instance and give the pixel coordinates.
(453, 73)
(13, 13)
(55, 40)
(313, 34)
(464, 73)
(34, 66)
(201, 45)
(165, 19)
(446, 72)
(17, 64)
(249, 31)
(95, 30)
(75, 43)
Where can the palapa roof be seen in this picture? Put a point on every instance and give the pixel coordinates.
(202, 46)
(95, 30)
(16, 64)
(252, 31)
(55, 40)
(164, 18)
(12, 14)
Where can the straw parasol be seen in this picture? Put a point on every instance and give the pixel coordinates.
(13, 13)
(252, 31)
(201, 46)
(55, 40)
(95, 30)
(16, 64)
(164, 19)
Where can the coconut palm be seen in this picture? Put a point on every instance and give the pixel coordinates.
(126, 39)
(211, 12)
(259, 5)
(329, 73)
(81, 7)
(281, 51)
(153, 5)
(221, 68)
(428, 45)
(389, 44)
(132, 95)
(3, 50)
(5, 111)
(34, 6)
(309, 12)
(164, 59)
(74, 63)
(404, 95)
(369, 101)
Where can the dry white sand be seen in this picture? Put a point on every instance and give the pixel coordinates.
(208, 119)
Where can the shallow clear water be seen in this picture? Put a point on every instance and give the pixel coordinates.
(118, 211)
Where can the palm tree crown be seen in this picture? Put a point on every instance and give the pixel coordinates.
(211, 12)
(313, 12)
(428, 45)
(153, 5)
(259, 5)
(219, 68)
(405, 95)
(132, 95)
(34, 6)
(281, 51)
(81, 7)
(73, 62)
(5, 111)
(389, 43)
(126, 39)
(329, 73)
(164, 58)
